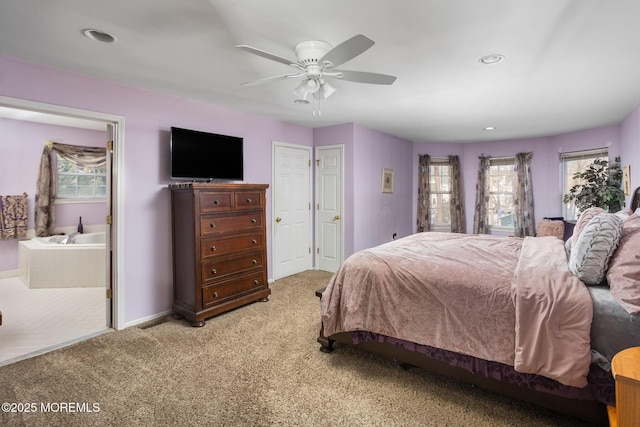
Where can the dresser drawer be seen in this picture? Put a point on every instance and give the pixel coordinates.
(211, 224)
(229, 244)
(215, 294)
(216, 201)
(248, 200)
(216, 269)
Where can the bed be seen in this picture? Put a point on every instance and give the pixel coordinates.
(523, 317)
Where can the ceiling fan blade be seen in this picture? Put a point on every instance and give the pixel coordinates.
(365, 77)
(347, 50)
(273, 78)
(265, 54)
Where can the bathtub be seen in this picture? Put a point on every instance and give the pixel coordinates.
(44, 262)
(79, 239)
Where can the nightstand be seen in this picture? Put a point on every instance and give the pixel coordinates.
(625, 368)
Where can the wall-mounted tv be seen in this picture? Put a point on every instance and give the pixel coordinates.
(203, 156)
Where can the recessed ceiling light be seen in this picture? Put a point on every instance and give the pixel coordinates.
(491, 59)
(490, 128)
(301, 101)
(98, 35)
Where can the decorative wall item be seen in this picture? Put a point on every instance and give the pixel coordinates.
(387, 180)
(626, 179)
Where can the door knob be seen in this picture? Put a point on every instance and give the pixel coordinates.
(337, 217)
(278, 219)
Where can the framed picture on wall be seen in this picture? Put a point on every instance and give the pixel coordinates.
(626, 179)
(387, 180)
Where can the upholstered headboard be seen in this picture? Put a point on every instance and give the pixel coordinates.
(635, 200)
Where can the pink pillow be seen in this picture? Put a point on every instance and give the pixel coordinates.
(623, 275)
(583, 220)
(547, 227)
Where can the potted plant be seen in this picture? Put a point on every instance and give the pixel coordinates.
(601, 187)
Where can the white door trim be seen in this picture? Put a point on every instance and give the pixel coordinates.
(275, 144)
(342, 199)
(117, 272)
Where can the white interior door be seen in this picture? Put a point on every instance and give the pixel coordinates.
(329, 228)
(291, 192)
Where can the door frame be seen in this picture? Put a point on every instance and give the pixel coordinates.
(117, 175)
(308, 148)
(342, 199)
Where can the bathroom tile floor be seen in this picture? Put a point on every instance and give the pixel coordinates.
(35, 321)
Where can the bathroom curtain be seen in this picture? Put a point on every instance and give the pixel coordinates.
(524, 222)
(480, 217)
(90, 157)
(424, 207)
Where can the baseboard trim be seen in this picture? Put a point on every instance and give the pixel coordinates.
(147, 319)
(7, 274)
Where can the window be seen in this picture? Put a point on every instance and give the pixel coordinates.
(572, 163)
(440, 194)
(78, 182)
(501, 188)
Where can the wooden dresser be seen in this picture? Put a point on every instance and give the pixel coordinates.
(219, 248)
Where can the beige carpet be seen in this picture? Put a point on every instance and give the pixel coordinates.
(256, 366)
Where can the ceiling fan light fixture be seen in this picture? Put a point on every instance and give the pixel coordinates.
(306, 87)
(312, 85)
(326, 90)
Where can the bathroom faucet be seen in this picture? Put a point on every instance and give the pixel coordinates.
(69, 239)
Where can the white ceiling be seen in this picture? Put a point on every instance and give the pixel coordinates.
(570, 64)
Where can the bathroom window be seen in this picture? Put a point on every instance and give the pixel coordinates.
(79, 182)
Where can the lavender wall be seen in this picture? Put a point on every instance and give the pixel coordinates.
(149, 116)
(630, 146)
(377, 215)
(21, 147)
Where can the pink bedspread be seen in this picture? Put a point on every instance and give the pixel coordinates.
(451, 291)
(553, 315)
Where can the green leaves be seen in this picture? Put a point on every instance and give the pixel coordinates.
(600, 187)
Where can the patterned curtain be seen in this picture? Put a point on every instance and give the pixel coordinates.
(424, 207)
(90, 157)
(458, 223)
(480, 218)
(524, 222)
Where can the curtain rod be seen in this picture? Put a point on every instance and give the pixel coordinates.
(499, 158)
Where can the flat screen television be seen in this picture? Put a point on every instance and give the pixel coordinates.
(203, 156)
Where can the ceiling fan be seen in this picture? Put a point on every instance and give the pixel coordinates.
(316, 61)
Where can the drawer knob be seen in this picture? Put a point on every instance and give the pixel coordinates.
(254, 241)
(253, 220)
(255, 282)
(213, 248)
(254, 261)
(213, 271)
(216, 202)
(248, 200)
(215, 295)
(212, 225)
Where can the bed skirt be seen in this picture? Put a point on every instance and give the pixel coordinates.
(601, 385)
